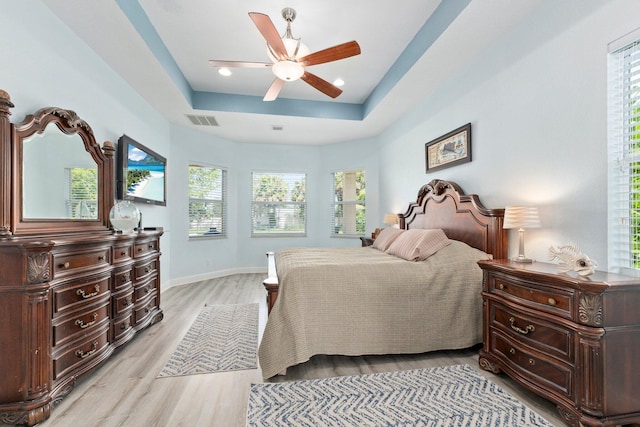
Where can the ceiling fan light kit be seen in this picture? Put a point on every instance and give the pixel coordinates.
(290, 57)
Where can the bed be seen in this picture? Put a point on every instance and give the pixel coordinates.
(357, 301)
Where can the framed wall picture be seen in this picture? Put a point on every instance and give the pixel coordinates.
(449, 150)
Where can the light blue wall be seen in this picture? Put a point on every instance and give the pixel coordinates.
(537, 103)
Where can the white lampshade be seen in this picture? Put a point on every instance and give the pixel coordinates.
(390, 219)
(521, 217)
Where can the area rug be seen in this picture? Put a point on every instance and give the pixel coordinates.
(222, 338)
(446, 396)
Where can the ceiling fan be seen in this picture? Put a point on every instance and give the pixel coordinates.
(290, 57)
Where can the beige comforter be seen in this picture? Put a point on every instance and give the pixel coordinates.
(355, 301)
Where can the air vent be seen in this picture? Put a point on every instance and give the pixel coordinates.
(202, 120)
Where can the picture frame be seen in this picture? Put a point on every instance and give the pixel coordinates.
(451, 149)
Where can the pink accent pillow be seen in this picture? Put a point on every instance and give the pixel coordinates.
(418, 244)
(385, 238)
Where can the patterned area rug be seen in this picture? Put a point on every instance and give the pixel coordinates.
(447, 396)
(222, 338)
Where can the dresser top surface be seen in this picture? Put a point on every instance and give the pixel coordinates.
(550, 272)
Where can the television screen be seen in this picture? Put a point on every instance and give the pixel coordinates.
(141, 173)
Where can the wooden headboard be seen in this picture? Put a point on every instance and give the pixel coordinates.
(443, 204)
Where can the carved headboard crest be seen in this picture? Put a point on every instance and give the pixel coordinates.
(443, 204)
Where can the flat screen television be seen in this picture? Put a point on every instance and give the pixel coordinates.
(140, 173)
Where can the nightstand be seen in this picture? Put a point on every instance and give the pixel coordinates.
(366, 241)
(572, 340)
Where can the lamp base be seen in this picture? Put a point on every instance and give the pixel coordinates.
(522, 260)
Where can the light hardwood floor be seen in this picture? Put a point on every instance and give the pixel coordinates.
(125, 391)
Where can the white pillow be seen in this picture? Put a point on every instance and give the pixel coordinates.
(418, 244)
(385, 238)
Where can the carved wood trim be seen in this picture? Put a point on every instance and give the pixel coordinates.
(590, 310)
(5, 164)
(38, 268)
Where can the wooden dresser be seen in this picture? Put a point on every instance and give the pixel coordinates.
(71, 289)
(572, 340)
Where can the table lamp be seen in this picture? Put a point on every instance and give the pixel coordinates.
(521, 217)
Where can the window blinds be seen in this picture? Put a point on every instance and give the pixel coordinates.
(279, 204)
(207, 201)
(624, 158)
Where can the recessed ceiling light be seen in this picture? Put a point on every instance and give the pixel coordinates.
(338, 82)
(224, 72)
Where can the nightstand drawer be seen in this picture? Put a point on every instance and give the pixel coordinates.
(547, 337)
(555, 375)
(551, 300)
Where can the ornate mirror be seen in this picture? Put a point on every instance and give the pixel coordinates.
(62, 179)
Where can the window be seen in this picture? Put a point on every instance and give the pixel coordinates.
(624, 156)
(348, 216)
(207, 201)
(279, 204)
(82, 192)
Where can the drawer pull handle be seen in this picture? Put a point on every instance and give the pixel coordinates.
(124, 326)
(501, 286)
(147, 269)
(127, 301)
(123, 253)
(552, 302)
(101, 258)
(86, 325)
(81, 293)
(65, 265)
(81, 354)
(532, 362)
(525, 331)
(512, 350)
(150, 246)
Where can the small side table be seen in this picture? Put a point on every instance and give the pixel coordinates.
(366, 241)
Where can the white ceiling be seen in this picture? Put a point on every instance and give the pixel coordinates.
(162, 47)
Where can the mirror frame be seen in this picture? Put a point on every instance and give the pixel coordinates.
(68, 122)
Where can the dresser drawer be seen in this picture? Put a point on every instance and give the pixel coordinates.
(548, 337)
(122, 302)
(544, 298)
(553, 375)
(146, 269)
(74, 295)
(144, 289)
(122, 327)
(122, 253)
(122, 279)
(78, 354)
(143, 309)
(70, 263)
(82, 323)
(143, 248)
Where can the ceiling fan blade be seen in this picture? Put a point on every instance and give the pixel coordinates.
(274, 90)
(270, 34)
(240, 64)
(322, 85)
(341, 51)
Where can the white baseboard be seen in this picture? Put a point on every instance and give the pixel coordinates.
(210, 275)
